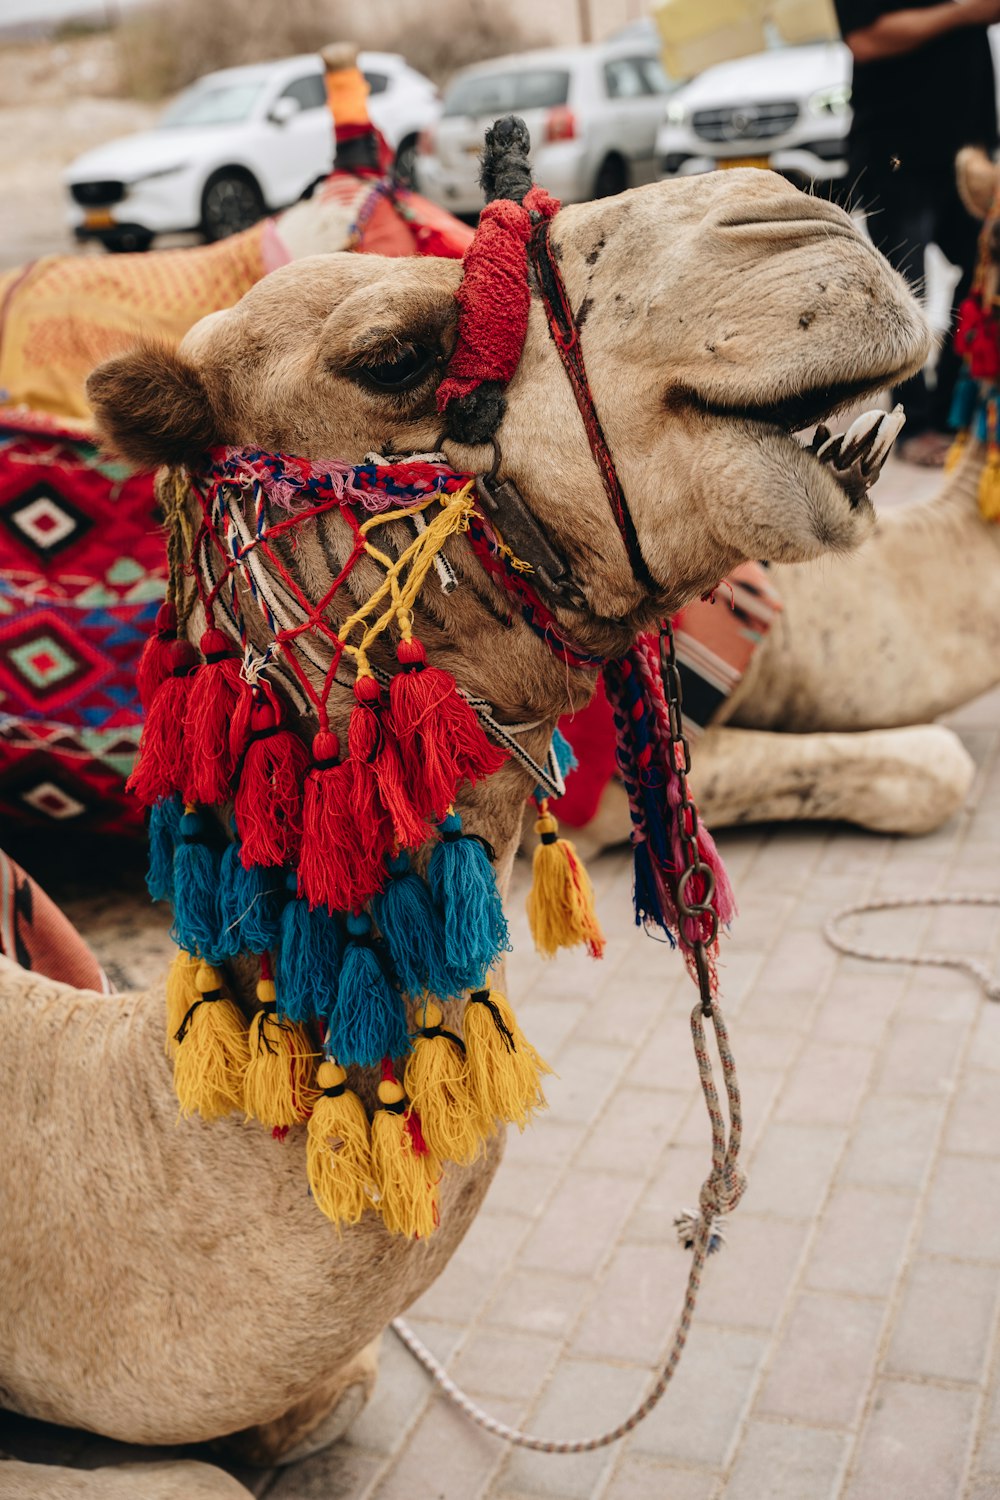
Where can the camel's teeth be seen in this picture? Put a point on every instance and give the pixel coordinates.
(830, 450)
(859, 436)
(889, 429)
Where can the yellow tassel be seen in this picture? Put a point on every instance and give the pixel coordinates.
(438, 1084)
(406, 1174)
(182, 992)
(956, 452)
(277, 1088)
(212, 1054)
(561, 900)
(338, 1149)
(989, 487)
(504, 1069)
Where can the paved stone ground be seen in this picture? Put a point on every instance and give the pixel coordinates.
(845, 1346)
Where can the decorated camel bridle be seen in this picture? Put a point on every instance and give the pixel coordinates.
(350, 878)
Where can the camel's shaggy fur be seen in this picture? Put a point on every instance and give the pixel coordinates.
(166, 1281)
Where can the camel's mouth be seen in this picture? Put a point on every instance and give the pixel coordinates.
(854, 458)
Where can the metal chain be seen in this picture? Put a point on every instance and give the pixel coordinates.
(725, 1184)
(703, 920)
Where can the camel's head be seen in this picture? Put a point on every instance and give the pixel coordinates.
(979, 188)
(718, 314)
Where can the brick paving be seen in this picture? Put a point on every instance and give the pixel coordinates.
(846, 1343)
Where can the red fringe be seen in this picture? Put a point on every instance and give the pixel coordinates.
(161, 767)
(338, 866)
(155, 663)
(379, 776)
(415, 1131)
(216, 688)
(441, 742)
(268, 802)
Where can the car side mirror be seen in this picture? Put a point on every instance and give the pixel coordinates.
(283, 110)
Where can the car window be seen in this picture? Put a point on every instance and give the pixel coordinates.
(657, 81)
(309, 91)
(623, 79)
(491, 94)
(219, 104)
(377, 82)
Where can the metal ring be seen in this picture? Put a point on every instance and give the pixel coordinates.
(697, 867)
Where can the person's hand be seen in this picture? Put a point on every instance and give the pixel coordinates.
(978, 12)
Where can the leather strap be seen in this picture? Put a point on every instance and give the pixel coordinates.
(566, 337)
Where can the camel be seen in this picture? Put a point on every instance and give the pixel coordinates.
(172, 1282)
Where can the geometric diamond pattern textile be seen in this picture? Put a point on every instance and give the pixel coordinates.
(82, 573)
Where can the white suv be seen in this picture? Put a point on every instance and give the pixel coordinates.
(788, 109)
(592, 113)
(235, 145)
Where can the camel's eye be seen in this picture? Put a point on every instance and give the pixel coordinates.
(408, 366)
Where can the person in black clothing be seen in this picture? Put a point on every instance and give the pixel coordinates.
(923, 87)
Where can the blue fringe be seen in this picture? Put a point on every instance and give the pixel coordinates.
(413, 931)
(565, 759)
(368, 1021)
(963, 403)
(196, 922)
(164, 833)
(644, 895)
(463, 884)
(309, 956)
(251, 902)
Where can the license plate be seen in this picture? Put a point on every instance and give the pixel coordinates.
(98, 218)
(744, 161)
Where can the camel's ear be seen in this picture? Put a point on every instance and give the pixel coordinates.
(978, 180)
(152, 407)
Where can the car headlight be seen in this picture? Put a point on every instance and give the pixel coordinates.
(676, 112)
(160, 172)
(835, 100)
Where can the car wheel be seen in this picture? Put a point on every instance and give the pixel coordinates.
(611, 178)
(231, 201)
(406, 161)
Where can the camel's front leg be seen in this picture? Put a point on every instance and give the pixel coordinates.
(890, 780)
(907, 780)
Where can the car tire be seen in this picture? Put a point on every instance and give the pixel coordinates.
(612, 177)
(231, 201)
(406, 161)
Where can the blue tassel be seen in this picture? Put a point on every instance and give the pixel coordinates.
(462, 883)
(251, 902)
(413, 931)
(644, 893)
(963, 403)
(368, 1021)
(164, 833)
(565, 759)
(196, 923)
(309, 956)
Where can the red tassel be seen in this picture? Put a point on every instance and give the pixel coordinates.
(268, 801)
(441, 742)
(378, 776)
(161, 768)
(414, 1130)
(155, 663)
(970, 317)
(341, 862)
(984, 351)
(216, 688)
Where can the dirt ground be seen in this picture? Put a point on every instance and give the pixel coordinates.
(56, 101)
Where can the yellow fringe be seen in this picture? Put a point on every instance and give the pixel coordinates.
(182, 992)
(406, 1183)
(212, 1059)
(561, 900)
(338, 1150)
(505, 1071)
(989, 487)
(439, 1088)
(956, 452)
(277, 1087)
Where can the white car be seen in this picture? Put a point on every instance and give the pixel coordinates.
(788, 109)
(234, 146)
(592, 113)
